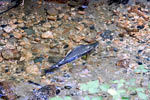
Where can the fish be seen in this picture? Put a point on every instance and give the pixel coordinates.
(73, 55)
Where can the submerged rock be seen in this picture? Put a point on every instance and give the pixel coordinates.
(47, 35)
(10, 54)
(44, 93)
(6, 91)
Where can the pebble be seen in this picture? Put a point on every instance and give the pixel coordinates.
(92, 27)
(3, 25)
(29, 31)
(10, 54)
(45, 92)
(53, 18)
(140, 26)
(17, 35)
(81, 12)
(38, 59)
(33, 69)
(40, 49)
(68, 87)
(80, 27)
(123, 63)
(26, 55)
(51, 11)
(1, 58)
(7, 91)
(107, 35)
(8, 29)
(47, 35)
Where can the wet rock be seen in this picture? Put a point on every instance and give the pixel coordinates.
(81, 12)
(51, 11)
(3, 25)
(10, 54)
(68, 87)
(44, 93)
(54, 59)
(19, 69)
(140, 26)
(53, 18)
(29, 31)
(92, 27)
(80, 27)
(17, 35)
(123, 63)
(6, 90)
(57, 91)
(47, 35)
(38, 59)
(33, 69)
(107, 35)
(40, 49)
(1, 58)
(8, 29)
(26, 55)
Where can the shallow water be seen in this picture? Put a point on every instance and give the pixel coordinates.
(116, 57)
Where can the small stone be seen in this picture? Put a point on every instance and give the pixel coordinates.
(47, 35)
(107, 35)
(81, 12)
(5, 35)
(68, 87)
(1, 58)
(40, 49)
(33, 69)
(53, 18)
(123, 63)
(51, 11)
(8, 29)
(38, 59)
(3, 25)
(80, 27)
(10, 54)
(6, 90)
(26, 55)
(92, 27)
(140, 26)
(29, 31)
(54, 59)
(66, 17)
(45, 92)
(17, 35)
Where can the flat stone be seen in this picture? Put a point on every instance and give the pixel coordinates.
(10, 54)
(47, 35)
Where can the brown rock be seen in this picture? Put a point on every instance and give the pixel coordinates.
(1, 58)
(33, 69)
(123, 63)
(7, 91)
(47, 35)
(26, 55)
(44, 92)
(53, 18)
(17, 35)
(80, 27)
(81, 12)
(10, 54)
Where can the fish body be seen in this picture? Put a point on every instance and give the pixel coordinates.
(73, 55)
